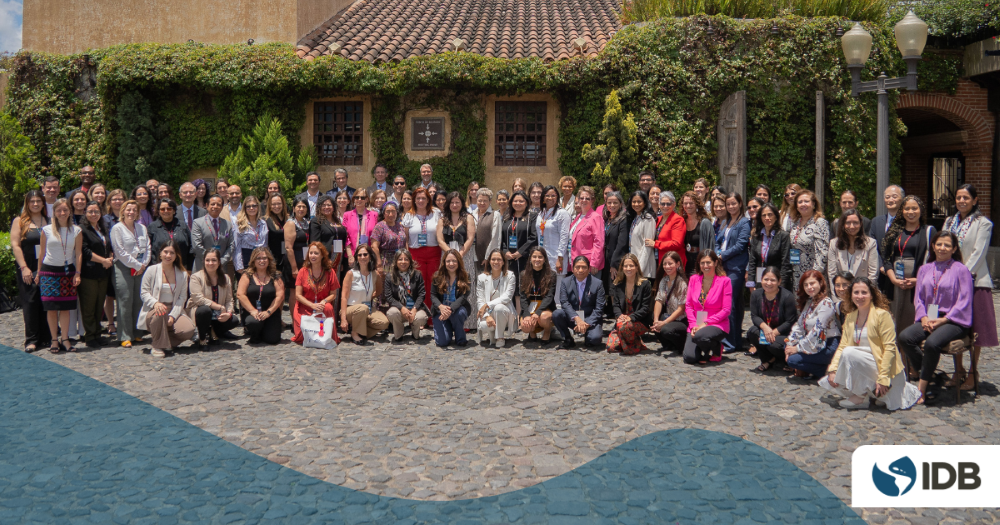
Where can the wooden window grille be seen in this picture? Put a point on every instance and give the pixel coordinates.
(520, 134)
(337, 133)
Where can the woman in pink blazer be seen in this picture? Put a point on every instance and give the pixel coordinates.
(359, 226)
(586, 232)
(709, 301)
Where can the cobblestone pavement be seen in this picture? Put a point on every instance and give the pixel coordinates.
(412, 420)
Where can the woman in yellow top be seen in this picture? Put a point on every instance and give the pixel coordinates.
(867, 363)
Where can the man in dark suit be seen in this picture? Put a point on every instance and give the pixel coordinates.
(340, 185)
(581, 304)
(849, 201)
(880, 225)
(188, 211)
(426, 177)
(312, 193)
(212, 231)
(381, 174)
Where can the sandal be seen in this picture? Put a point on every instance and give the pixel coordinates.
(69, 345)
(30, 348)
(764, 367)
(126, 344)
(113, 334)
(56, 347)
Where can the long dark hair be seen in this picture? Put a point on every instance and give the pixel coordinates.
(395, 277)
(758, 223)
(899, 223)
(545, 192)
(646, 213)
(26, 215)
(509, 214)
(319, 206)
(842, 238)
(446, 212)
(488, 269)
(178, 263)
(972, 193)
(957, 254)
(441, 280)
(371, 258)
(710, 254)
(100, 220)
(878, 298)
(149, 201)
(622, 213)
(547, 276)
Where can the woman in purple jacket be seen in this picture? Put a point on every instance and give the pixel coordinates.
(709, 301)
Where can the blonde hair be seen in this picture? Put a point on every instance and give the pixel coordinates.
(55, 219)
(564, 178)
(242, 222)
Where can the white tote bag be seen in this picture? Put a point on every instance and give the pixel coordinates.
(317, 332)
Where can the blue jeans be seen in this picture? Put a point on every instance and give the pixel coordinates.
(815, 364)
(734, 341)
(451, 329)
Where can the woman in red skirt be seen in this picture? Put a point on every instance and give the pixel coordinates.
(421, 228)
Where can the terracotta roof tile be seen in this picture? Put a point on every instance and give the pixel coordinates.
(383, 30)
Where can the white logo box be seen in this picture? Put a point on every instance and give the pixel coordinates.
(865, 493)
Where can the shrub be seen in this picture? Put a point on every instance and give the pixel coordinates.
(265, 156)
(644, 10)
(616, 160)
(8, 270)
(142, 152)
(17, 165)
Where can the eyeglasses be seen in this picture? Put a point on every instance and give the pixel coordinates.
(359, 197)
(362, 255)
(790, 194)
(584, 198)
(249, 206)
(399, 184)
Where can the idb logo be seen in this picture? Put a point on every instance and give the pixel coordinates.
(887, 483)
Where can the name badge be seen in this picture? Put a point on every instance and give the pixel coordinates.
(305, 253)
(900, 269)
(369, 305)
(541, 240)
(409, 302)
(763, 338)
(215, 314)
(38, 251)
(141, 257)
(760, 274)
(362, 239)
(700, 318)
(795, 255)
(422, 239)
(534, 307)
(338, 246)
(283, 249)
(259, 305)
(217, 247)
(513, 241)
(932, 311)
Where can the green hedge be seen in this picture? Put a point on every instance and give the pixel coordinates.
(8, 266)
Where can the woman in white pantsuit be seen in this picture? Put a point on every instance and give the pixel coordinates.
(495, 289)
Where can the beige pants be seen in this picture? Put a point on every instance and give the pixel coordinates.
(165, 338)
(363, 323)
(396, 318)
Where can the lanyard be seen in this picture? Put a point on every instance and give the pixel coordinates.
(634, 222)
(798, 231)
(496, 287)
(805, 316)
(765, 246)
(513, 224)
(542, 219)
(303, 227)
(367, 284)
(770, 313)
(423, 223)
(134, 230)
(937, 280)
(904, 243)
(260, 287)
(858, 329)
(256, 233)
(62, 242)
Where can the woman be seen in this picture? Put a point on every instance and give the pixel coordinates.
(567, 199)
(709, 300)
(518, 237)
(552, 229)
(769, 246)
(538, 292)
(772, 315)
(78, 203)
(275, 217)
(389, 235)
(816, 333)
(905, 248)
(519, 185)
(788, 206)
(131, 245)
(201, 194)
(406, 204)
(630, 298)
(731, 246)
(642, 234)
(97, 261)
(753, 209)
(698, 234)
(810, 236)
(376, 200)
(586, 232)
(61, 253)
(361, 284)
(140, 194)
(316, 287)
(99, 193)
(670, 325)
(167, 227)
(943, 304)
(251, 233)
(495, 287)
(25, 241)
(261, 294)
(472, 196)
(116, 198)
(211, 301)
(404, 292)
(440, 201)
(503, 202)
(295, 234)
(654, 201)
(842, 288)
(535, 197)
(457, 231)
(164, 289)
(359, 221)
(974, 232)
(450, 298)
(866, 363)
(852, 250)
(273, 188)
(326, 228)
(700, 188)
(421, 239)
(763, 192)
(720, 216)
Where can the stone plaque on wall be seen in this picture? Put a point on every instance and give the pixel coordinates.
(732, 135)
(427, 133)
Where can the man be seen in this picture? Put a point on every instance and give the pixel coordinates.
(311, 195)
(581, 302)
(235, 204)
(164, 192)
(381, 174)
(398, 188)
(50, 188)
(222, 188)
(646, 179)
(152, 186)
(189, 211)
(426, 172)
(471, 197)
(212, 231)
(670, 230)
(86, 179)
(893, 197)
(849, 201)
(340, 185)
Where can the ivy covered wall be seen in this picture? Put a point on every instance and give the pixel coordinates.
(672, 74)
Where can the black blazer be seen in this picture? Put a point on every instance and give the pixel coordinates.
(591, 307)
(616, 242)
(197, 212)
(778, 254)
(526, 236)
(159, 235)
(395, 295)
(437, 299)
(547, 301)
(641, 311)
(326, 233)
(93, 245)
(787, 314)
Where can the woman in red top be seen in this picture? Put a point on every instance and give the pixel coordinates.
(670, 229)
(316, 287)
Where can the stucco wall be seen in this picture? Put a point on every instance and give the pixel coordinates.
(73, 26)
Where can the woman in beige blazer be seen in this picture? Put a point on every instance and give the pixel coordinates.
(852, 250)
(211, 301)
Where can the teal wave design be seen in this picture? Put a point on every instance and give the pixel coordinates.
(75, 450)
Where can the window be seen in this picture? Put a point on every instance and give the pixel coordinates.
(520, 134)
(946, 178)
(337, 133)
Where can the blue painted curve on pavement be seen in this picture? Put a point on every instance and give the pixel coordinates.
(74, 450)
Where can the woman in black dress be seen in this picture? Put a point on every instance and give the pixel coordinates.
(616, 241)
(517, 237)
(327, 229)
(167, 227)
(25, 239)
(261, 294)
(904, 250)
(275, 216)
(296, 238)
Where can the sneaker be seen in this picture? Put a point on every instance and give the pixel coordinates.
(501, 342)
(846, 403)
(157, 353)
(479, 337)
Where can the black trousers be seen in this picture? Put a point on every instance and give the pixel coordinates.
(266, 331)
(704, 344)
(909, 342)
(36, 323)
(205, 324)
(672, 335)
(767, 351)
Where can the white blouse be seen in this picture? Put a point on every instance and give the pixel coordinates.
(362, 288)
(61, 251)
(422, 228)
(552, 230)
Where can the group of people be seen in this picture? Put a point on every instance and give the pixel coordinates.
(826, 300)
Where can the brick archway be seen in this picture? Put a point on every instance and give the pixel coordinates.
(952, 108)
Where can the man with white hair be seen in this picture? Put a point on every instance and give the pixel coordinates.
(426, 172)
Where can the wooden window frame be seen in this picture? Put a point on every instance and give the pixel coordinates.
(338, 132)
(519, 133)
